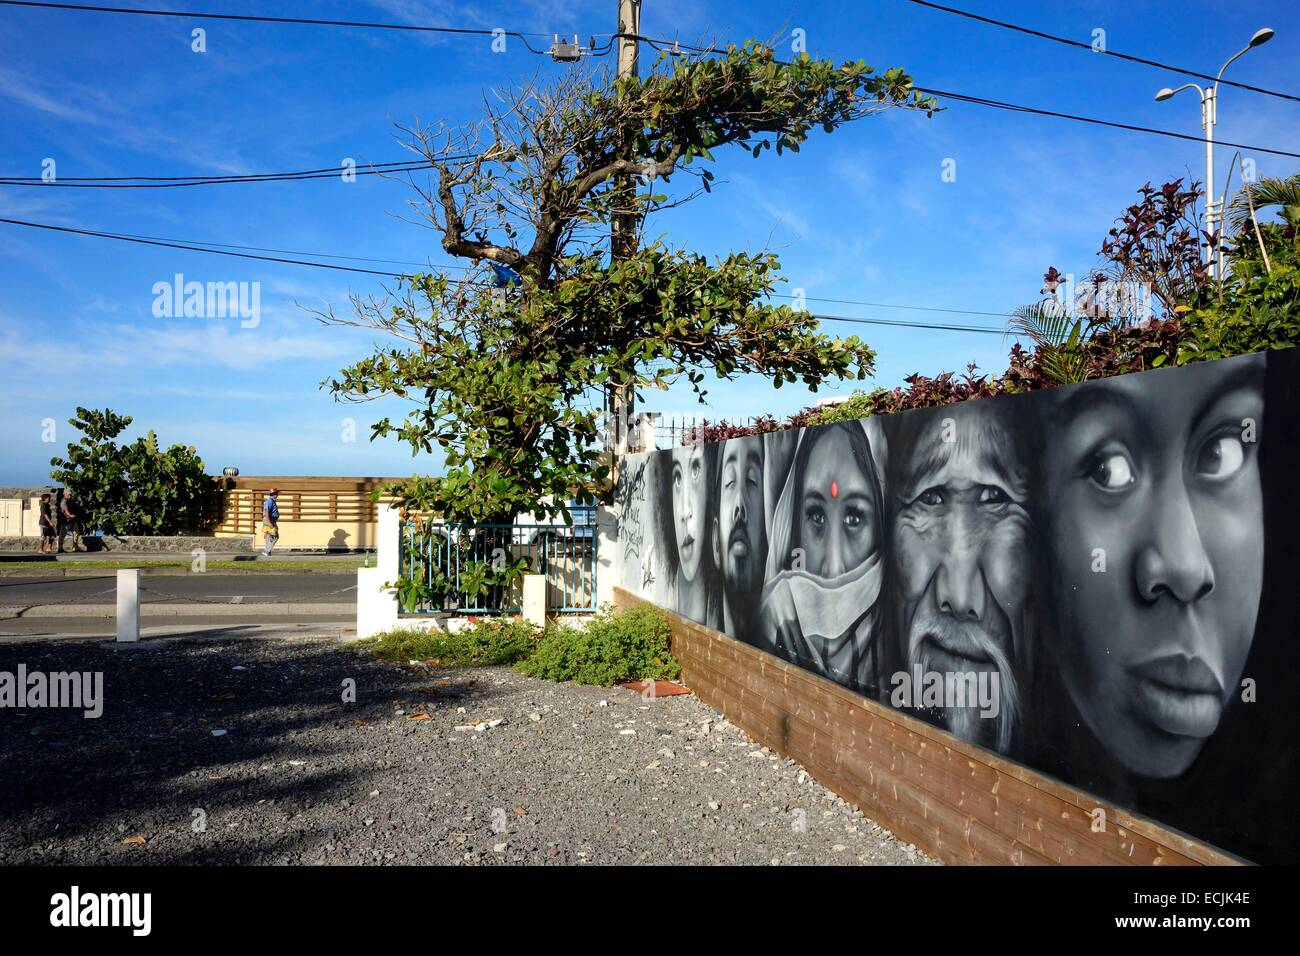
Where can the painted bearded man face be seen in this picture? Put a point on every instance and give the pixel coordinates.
(1157, 535)
(960, 545)
(741, 538)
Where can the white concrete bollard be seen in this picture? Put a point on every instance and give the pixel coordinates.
(128, 605)
(377, 610)
(609, 558)
(535, 599)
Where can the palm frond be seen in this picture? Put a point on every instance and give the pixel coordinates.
(1045, 323)
(1269, 191)
(1057, 334)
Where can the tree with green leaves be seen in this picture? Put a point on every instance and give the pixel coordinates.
(135, 488)
(507, 364)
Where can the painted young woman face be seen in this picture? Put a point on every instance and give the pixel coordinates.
(690, 494)
(1157, 534)
(838, 524)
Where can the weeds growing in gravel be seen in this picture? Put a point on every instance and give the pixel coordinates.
(498, 641)
(614, 646)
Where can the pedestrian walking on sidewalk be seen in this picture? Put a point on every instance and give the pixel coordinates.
(49, 527)
(70, 518)
(270, 522)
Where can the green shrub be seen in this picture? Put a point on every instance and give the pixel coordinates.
(860, 404)
(488, 641)
(614, 646)
(1260, 311)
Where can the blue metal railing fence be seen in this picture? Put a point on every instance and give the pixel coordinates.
(434, 552)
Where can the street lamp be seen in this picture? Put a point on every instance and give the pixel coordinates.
(1209, 116)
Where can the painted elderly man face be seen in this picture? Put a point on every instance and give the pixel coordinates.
(960, 545)
(1158, 541)
(742, 533)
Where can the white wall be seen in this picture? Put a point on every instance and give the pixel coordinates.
(11, 517)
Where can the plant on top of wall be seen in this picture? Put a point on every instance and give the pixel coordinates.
(1108, 329)
(1258, 308)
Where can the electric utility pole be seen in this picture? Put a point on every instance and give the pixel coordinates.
(623, 229)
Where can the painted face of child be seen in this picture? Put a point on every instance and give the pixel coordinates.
(1158, 539)
(838, 524)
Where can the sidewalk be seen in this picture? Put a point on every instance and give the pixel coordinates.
(41, 565)
(145, 556)
(148, 609)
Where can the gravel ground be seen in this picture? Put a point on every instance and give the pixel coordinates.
(243, 751)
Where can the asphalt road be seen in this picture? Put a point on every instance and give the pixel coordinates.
(205, 626)
(181, 589)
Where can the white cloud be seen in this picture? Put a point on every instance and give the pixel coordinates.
(213, 343)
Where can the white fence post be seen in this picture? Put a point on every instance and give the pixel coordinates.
(389, 545)
(609, 557)
(645, 433)
(534, 604)
(128, 605)
(377, 609)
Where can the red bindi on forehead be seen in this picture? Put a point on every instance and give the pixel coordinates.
(835, 489)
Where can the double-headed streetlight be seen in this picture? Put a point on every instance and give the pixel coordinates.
(1209, 115)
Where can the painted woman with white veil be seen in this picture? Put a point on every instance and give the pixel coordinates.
(820, 602)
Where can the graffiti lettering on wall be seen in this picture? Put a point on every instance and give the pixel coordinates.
(1072, 579)
(633, 507)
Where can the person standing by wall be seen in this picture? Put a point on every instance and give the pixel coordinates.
(49, 526)
(70, 519)
(270, 521)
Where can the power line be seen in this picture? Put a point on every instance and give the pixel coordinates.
(195, 246)
(296, 21)
(224, 181)
(1016, 108)
(410, 262)
(192, 248)
(293, 252)
(162, 182)
(168, 181)
(662, 45)
(1089, 47)
(898, 323)
(890, 305)
(398, 166)
(901, 323)
(157, 182)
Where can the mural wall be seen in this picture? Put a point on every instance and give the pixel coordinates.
(1097, 581)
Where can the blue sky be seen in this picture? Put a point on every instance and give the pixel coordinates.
(862, 214)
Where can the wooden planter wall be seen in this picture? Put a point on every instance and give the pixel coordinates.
(957, 802)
